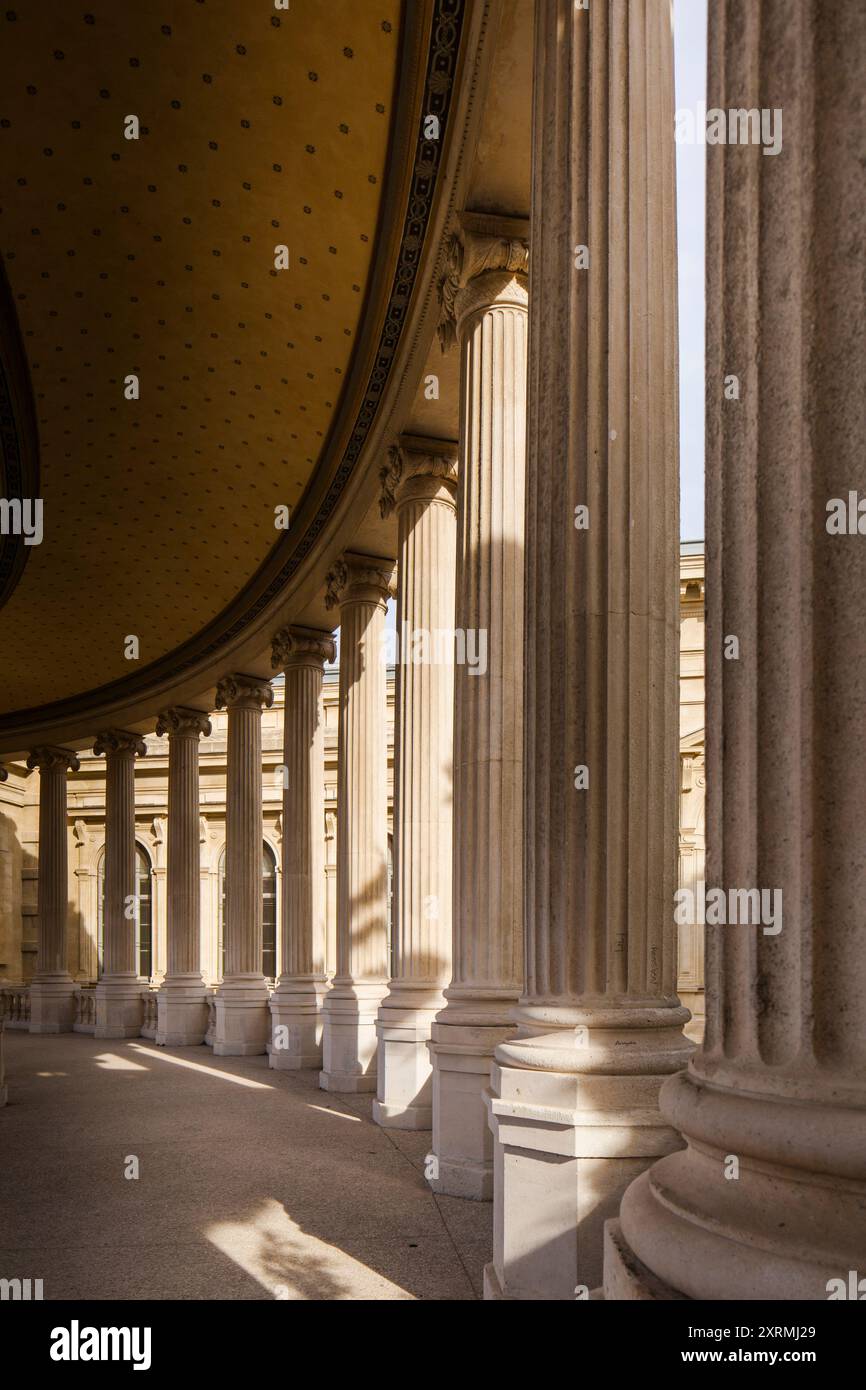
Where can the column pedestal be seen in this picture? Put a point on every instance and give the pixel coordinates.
(52, 1006)
(767, 1201)
(421, 483)
(573, 1100)
(117, 997)
(484, 299)
(296, 1004)
(182, 1013)
(242, 1021)
(360, 585)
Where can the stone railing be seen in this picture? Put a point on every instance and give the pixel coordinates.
(149, 1021)
(15, 1006)
(85, 1011)
(211, 1017)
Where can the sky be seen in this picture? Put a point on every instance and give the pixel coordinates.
(690, 57)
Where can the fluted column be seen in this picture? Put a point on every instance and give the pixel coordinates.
(181, 1008)
(768, 1201)
(296, 1003)
(51, 991)
(421, 483)
(484, 301)
(241, 1002)
(359, 585)
(574, 1096)
(118, 991)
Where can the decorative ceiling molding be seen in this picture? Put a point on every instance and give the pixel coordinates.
(437, 26)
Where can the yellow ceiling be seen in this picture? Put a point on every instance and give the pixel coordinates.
(156, 257)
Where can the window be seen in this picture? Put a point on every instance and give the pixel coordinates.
(269, 913)
(143, 913)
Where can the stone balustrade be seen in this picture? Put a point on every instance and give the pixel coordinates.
(15, 1006)
(149, 1000)
(85, 1011)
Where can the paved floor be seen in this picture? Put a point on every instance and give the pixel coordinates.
(251, 1183)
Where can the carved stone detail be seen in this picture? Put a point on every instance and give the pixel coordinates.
(238, 689)
(186, 722)
(301, 646)
(48, 756)
(361, 577)
(435, 459)
(119, 741)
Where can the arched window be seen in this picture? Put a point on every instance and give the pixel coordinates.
(143, 913)
(269, 913)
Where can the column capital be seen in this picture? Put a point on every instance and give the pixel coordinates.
(237, 689)
(188, 723)
(360, 579)
(487, 260)
(119, 741)
(47, 757)
(418, 469)
(301, 646)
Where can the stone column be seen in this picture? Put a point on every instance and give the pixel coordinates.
(181, 1007)
(241, 1002)
(484, 301)
(574, 1096)
(360, 585)
(768, 1201)
(118, 991)
(421, 484)
(296, 1003)
(52, 988)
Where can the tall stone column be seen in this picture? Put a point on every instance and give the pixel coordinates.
(296, 1003)
(360, 586)
(768, 1201)
(574, 1096)
(118, 990)
(181, 1007)
(52, 988)
(485, 306)
(421, 483)
(241, 1002)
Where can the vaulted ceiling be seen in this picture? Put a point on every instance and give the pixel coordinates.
(155, 257)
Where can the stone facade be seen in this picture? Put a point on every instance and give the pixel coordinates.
(19, 810)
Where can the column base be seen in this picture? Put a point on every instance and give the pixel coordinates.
(242, 1021)
(626, 1279)
(296, 1010)
(566, 1146)
(767, 1201)
(52, 1003)
(404, 1092)
(349, 1043)
(181, 1012)
(119, 1007)
(462, 1147)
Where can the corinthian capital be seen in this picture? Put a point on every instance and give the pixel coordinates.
(237, 689)
(416, 458)
(119, 741)
(180, 720)
(301, 646)
(47, 756)
(483, 245)
(360, 578)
